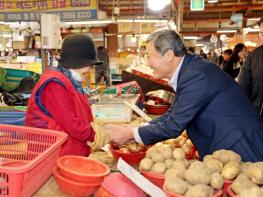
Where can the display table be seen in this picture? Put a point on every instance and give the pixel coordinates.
(50, 188)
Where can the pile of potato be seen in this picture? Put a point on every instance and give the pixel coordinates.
(249, 183)
(183, 142)
(161, 157)
(193, 178)
(201, 179)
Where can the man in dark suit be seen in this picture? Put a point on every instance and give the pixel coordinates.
(250, 76)
(209, 104)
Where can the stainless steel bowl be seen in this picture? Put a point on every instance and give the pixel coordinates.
(163, 95)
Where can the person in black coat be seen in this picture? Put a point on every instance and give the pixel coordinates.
(251, 74)
(209, 104)
(225, 58)
(232, 67)
(103, 70)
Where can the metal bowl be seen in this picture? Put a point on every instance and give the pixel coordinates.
(163, 95)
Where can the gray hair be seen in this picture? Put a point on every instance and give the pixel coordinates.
(167, 39)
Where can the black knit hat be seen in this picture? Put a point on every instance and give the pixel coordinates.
(78, 51)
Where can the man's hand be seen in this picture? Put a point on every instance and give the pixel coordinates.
(119, 134)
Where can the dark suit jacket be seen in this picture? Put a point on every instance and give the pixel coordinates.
(251, 76)
(215, 111)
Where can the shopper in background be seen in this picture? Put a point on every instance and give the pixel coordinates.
(209, 104)
(103, 70)
(226, 57)
(202, 54)
(236, 60)
(58, 101)
(251, 74)
(212, 56)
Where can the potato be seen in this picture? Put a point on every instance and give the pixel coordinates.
(233, 156)
(157, 157)
(217, 181)
(178, 154)
(189, 142)
(226, 156)
(207, 157)
(166, 151)
(179, 164)
(150, 151)
(255, 172)
(158, 168)
(169, 163)
(199, 191)
(184, 134)
(146, 164)
(242, 182)
(182, 142)
(231, 170)
(135, 147)
(179, 172)
(186, 148)
(251, 192)
(186, 163)
(197, 164)
(171, 173)
(213, 165)
(176, 185)
(244, 166)
(198, 175)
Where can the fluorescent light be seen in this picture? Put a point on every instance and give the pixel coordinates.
(150, 21)
(212, 1)
(133, 39)
(6, 23)
(253, 19)
(157, 5)
(89, 22)
(227, 31)
(125, 20)
(247, 30)
(190, 37)
(118, 20)
(249, 43)
(6, 35)
(199, 45)
(141, 21)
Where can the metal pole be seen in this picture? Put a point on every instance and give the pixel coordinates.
(43, 59)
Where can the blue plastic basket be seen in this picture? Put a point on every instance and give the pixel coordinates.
(13, 118)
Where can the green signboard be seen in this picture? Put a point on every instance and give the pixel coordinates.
(197, 5)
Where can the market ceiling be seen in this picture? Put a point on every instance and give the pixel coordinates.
(215, 16)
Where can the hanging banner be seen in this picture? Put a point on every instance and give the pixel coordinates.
(29, 10)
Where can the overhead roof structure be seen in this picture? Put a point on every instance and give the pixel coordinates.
(216, 16)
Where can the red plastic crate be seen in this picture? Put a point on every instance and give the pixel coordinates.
(27, 157)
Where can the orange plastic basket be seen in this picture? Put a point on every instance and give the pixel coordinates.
(27, 157)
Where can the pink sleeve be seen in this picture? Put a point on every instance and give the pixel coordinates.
(61, 107)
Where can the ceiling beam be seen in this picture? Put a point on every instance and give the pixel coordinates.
(227, 8)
